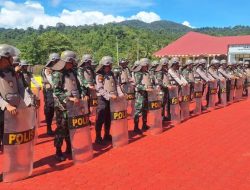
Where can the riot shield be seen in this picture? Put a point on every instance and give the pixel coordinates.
(129, 90)
(223, 92)
(119, 122)
(232, 90)
(185, 102)
(92, 101)
(239, 88)
(79, 130)
(155, 112)
(198, 87)
(18, 141)
(174, 104)
(36, 92)
(212, 94)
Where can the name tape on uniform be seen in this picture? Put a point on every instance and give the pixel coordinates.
(18, 138)
(118, 115)
(154, 105)
(78, 121)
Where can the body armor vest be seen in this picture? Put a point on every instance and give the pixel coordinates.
(9, 89)
(70, 85)
(110, 84)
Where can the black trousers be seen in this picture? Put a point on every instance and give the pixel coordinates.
(48, 106)
(1, 125)
(103, 116)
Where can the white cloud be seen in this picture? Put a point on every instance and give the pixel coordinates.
(186, 23)
(146, 17)
(32, 14)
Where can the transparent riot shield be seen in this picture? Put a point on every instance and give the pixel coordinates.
(198, 87)
(212, 94)
(232, 90)
(174, 104)
(185, 102)
(129, 90)
(36, 92)
(239, 88)
(79, 130)
(119, 122)
(223, 92)
(18, 141)
(155, 112)
(92, 101)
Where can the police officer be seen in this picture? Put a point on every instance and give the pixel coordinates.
(175, 77)
(213, 71)
(247, 71)
(48, 91)
(28, 76)
(86, 75)
(107, 88)
(151, 70)
(143, 84)
(65, 88)
(201, 74)
(12, 87)
(222, 72)
(188, 74)
(162, 82)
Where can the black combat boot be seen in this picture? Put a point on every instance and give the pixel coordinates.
(136, 128)
(99, 140)
(50, 132)
(145, 127)
(68, 148)
(107, 137)
(59, 155)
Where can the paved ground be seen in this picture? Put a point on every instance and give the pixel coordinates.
(208, 152)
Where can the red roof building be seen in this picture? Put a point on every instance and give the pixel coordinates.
(194, 44)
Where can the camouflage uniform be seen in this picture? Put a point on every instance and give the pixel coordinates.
(107, 87)
(65, 86)
(48, 91)
(86, 76)
(162, 82)
(142, 84)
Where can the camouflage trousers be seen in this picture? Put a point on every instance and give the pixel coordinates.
(141, 106)
(62, 131)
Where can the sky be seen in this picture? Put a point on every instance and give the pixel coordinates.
(192, 13)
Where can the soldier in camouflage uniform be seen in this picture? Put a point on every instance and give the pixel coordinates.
(107, 88)
(143, 84)
(86, 76)
(162, 82)
(151, 71)
(48, 91)
(247, 71)
(65, 88)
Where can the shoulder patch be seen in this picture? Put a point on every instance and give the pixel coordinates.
(100, 78)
